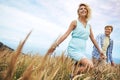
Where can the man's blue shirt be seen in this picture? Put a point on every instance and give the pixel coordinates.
(100, 39)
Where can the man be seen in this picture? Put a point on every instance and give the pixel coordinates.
(106, 44)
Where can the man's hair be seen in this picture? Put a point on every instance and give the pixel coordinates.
(109, 26)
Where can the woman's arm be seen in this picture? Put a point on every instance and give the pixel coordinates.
(66, 34)
(94, 42)
(63, 37)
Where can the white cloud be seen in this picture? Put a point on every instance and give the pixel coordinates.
(49, 18)
(22, 23)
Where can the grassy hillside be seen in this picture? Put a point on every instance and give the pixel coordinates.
(16, 66)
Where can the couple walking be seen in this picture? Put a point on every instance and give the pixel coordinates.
(81, 30)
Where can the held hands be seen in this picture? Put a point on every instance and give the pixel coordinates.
(102, 56)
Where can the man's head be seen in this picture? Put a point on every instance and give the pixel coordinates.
(108, 30)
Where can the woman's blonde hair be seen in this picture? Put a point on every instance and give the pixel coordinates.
(88, 10)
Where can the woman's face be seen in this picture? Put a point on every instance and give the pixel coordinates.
(82, 11)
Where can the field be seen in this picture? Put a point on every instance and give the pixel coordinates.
(14, 65)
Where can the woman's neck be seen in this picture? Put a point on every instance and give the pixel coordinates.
(82, 19)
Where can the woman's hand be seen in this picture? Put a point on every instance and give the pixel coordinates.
(52, 48)
(102, 56)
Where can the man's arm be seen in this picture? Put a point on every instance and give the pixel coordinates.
(110, 53)
(98, 40)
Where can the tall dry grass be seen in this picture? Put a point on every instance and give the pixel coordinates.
(17, 66)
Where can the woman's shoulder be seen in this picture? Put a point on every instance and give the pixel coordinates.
(74, 22)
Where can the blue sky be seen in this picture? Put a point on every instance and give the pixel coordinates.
(50, 18)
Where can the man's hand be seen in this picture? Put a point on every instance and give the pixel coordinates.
(102, 56)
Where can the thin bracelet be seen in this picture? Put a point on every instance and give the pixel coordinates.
(56, 45)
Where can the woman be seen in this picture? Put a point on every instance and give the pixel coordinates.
(81, 30)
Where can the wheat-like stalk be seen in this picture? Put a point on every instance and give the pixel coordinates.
(11, 68)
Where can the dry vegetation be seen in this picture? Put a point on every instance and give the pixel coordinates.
(17, 66)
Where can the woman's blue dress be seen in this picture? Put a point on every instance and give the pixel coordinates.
(77, 45)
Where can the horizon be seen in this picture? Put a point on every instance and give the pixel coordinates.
(116, 60)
